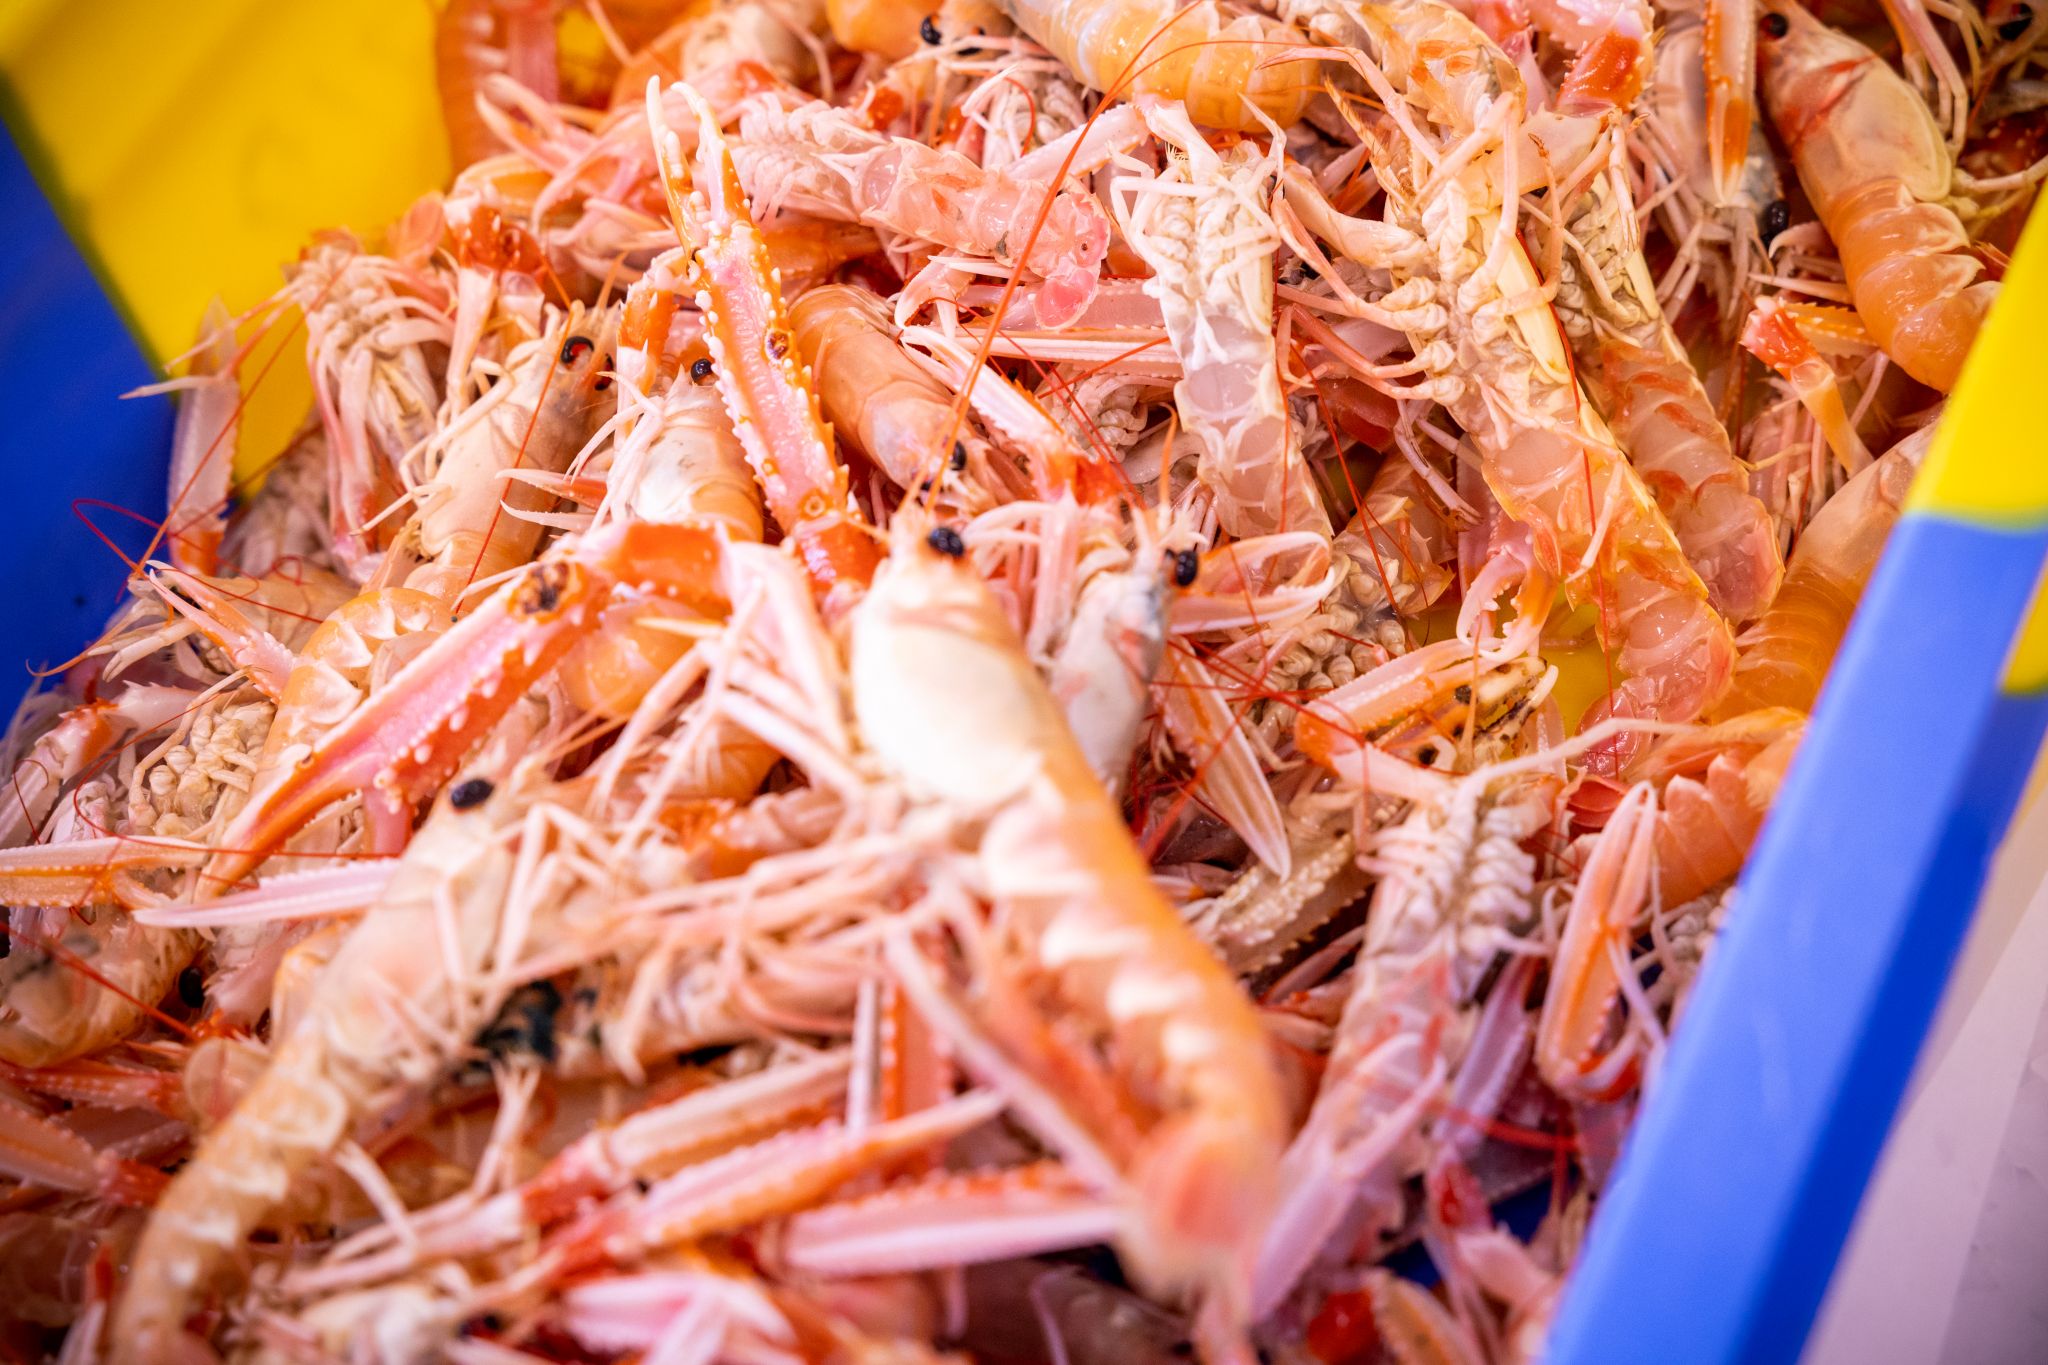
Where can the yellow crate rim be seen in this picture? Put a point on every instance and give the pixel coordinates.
(193, 149)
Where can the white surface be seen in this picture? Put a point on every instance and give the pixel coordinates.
(2001, 1306)
(1948, 1258)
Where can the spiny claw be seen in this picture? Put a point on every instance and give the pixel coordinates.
(88, 872)
(399, 747)
(664, 1137)
(39, 1152)
(1729, 49)
(1776, 335)
(203, 444)
(252, 648)
(1438, 694)
(585, 490)
(760, 374)
(1608, 75)
(85, 734)
(1584, 980)
(1832, 329)
(771, 1178)
(1228, 775)
(951, 1219)
(107, 1085)
(644, 326)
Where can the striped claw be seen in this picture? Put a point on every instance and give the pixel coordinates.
(951, 1219)
(88, 872)
(36, 1151)
(1585, 982)
(1782, 336)
(218, 617)
(760, 374)
(1729, 53)
(400, 746)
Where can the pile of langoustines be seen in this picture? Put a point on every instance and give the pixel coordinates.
(903, 699)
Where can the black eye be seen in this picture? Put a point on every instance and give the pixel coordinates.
(1186, 565)
(946, 541)
(604, 381)
(2012, 29)
(700, 371)
(482, 1322)
(1777, 217)
(959, 457)
(1776, 25)
(471, 792)
(575, 349)
(929, 30)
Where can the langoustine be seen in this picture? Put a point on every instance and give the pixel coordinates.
(932, 642)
